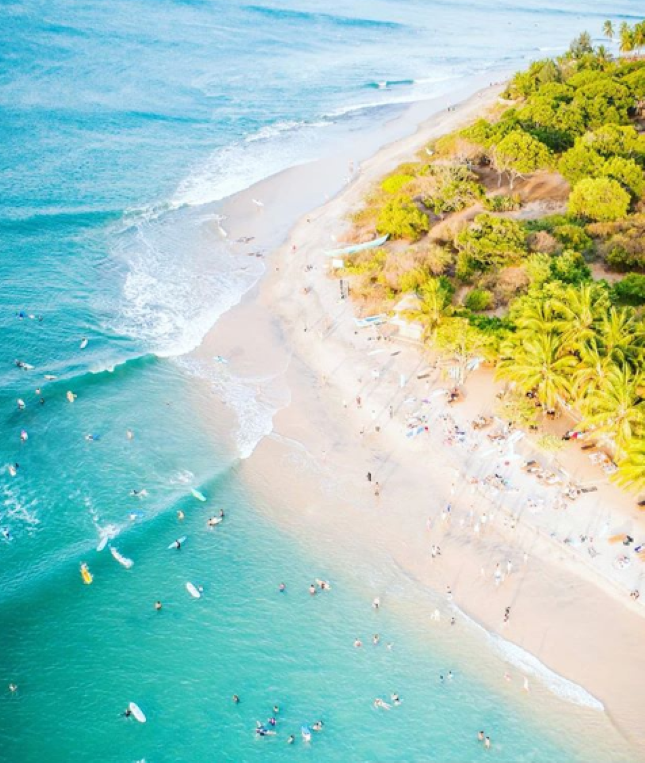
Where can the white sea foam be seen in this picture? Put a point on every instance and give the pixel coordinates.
(254, 400)
(530, 665)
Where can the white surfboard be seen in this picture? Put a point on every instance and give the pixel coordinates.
(137, 712)
(127, 563)
(193, 591)
(182, 540)
(197, 494)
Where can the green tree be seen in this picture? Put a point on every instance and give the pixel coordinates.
(570, 267)
(630, 290)
(539, 363)
(491, 242)
(616, 409)
(464, 343)
(479, 300)
(519, 154)
(579, 308)
(603, 101)
(435, 298)
(608, 30)
(626, 38)
(627, 173)
(580, 162)
(601, 199)
(622, 336)
(400, 218)
(631, 467)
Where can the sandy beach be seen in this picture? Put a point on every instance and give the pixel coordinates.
(449, 506)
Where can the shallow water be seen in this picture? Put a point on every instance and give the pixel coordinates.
(123, 127)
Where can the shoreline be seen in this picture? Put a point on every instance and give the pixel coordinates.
(320, 370)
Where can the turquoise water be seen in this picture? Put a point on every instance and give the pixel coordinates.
(122, 127)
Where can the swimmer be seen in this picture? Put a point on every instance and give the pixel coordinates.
(396, 699)
(92, 437)
(378, 702)
(276, 710)
(282, 588)
(158, 606)
(480, 736)
(236, 699)
(318, 726)
(390, 646)
(487, 743)
(13, 469)
(449, 676)
(42, 401)
(129, 434)
(181, 515)
(291, 739)
(221, 514)
(376, 603)
(23, 436)
(212, 522)
(139, 493)
(375, 639)
(358, 643)
(13, 688)
(70, 396)
(312, 589)
(21, 404)
(271, 721)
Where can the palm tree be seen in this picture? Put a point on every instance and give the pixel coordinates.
(535, 316)
(434, 300)
(580, 307)
(616, 409)
(631, 468)
(591, 373)
(622, 335)
(626, 38)
(608, 30)
(639, 35)
(539, 363)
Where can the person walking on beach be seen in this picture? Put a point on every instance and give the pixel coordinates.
(377, 490)
(369, 476)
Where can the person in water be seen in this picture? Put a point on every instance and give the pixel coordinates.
(180, 515)
(487, 743)
(291, 739)
(221, 514)
(312, 589)
(236, 699)
(282, 587)
(396, 699)
(318, 726)
(276, 710)
(13, 688)
(127, 712)
(271, 721)
(158, 606)
(480, 736)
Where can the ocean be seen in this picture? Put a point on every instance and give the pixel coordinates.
(123, 129)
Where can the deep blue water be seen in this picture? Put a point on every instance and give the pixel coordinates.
(121, 126)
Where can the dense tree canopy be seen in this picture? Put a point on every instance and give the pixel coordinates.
(600, 199)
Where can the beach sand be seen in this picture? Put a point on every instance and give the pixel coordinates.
(293, 343)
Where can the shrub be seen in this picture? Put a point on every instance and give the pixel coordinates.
(519, 153)
(538, 268)
(395, 183)
(400, 218)
(623, 260)
(580, 162)
(491, 242)
(626, 172)
(599, 199)
(437, 259)
(502, 203)
(570, 267)
(479, 300)
(631, 290)
(542, 241)
(573, 237)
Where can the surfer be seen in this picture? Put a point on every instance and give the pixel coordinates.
(318, 726)
(180, 515)
(70, 396)
(127, 712)
(396, 699)
(158, 606)
(271, 721)
(21, 404)
(177, 545)
(13, 688)
(13, 469)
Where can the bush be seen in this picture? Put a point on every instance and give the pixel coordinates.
(542, 241)
(626, 172)
(631, 290)
(580, 162)
(491, 242)
(573, 237)
(395, 183)
(479, 300)
(437, 259)
(400, 218)
(600, 199)
(570, 267)
(502, 203)
(623, 260)
(538, 268)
